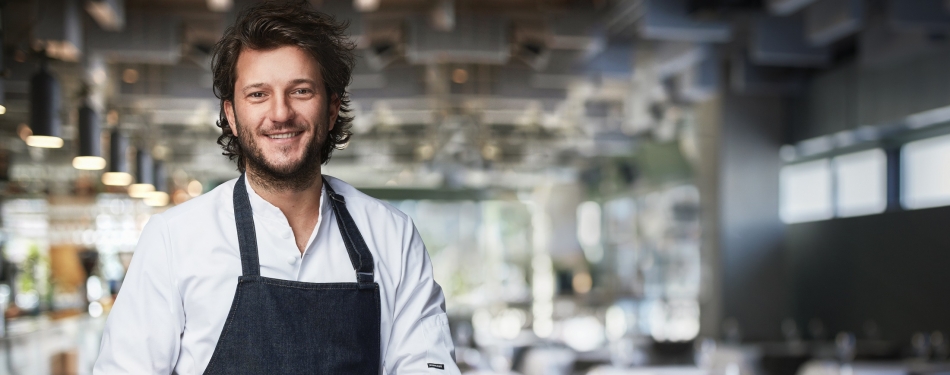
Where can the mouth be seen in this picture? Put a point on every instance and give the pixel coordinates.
(283, 135)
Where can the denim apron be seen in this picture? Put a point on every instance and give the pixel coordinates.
(292, 327)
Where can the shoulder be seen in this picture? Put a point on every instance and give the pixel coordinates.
(373, 210)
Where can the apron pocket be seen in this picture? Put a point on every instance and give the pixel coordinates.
(440, 352)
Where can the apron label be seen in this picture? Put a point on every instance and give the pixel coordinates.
(437, 365)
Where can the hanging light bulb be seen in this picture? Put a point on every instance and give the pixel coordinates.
(143, 185)
(118, 174)
(159, 197)
(44, 110)
(90, 141)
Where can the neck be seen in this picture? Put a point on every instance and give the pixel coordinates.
(300, 205)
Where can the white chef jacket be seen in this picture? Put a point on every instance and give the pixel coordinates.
(178, 290)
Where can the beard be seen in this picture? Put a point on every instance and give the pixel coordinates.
(296, 176)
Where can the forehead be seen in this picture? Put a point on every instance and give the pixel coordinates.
(275, 66)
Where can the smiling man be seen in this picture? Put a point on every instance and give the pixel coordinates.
(282, 270)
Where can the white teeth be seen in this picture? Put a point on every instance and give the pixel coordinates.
(282, 136)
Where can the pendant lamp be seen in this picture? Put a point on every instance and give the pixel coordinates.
(44, 110)
(159, 197)
(118, 174)
(3, 97)
(143, 175)
(90, 141)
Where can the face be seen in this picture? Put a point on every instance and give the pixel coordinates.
(281, 114)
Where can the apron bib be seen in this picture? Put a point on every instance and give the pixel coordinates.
(292, 327)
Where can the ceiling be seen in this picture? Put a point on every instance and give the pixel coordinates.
(462, 93)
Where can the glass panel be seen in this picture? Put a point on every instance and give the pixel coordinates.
(805, 192)
(925, 179)
(861, 183)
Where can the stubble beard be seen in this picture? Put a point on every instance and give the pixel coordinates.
(294, 177)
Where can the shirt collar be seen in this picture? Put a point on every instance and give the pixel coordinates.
(265, 209)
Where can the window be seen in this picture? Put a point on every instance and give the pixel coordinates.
(805, 192)
(860, 183)
(925, 173)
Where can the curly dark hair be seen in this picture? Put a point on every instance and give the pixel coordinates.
(274, 24)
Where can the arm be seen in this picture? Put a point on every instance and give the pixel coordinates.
(143, 331)
(420, 332)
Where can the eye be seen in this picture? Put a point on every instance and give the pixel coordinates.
(257, 94)
(303, 91)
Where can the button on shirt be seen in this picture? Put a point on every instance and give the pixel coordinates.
(179, 287)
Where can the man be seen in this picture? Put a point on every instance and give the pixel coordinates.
(280, 271)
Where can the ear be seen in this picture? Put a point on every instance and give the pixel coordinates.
(229, 114)
(333, 111)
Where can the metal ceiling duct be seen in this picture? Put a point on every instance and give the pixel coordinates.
(109, 14)
(474, 39)
(669, 20)
(59, 29)
(701, 81)
(147, 38)
(780, 41)
(747, 78)
(90, 141)
(44, 110)
(672, 58)
(930, 15)
(881, 45)
(828, 21)
(787, 7)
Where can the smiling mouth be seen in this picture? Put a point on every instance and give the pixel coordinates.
(283, 135)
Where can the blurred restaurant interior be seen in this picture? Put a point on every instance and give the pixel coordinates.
(652, 187)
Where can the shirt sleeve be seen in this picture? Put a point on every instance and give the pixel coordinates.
(143, 331)
(420, 342)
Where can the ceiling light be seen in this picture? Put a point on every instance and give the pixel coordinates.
(143, 175)
(118, 174)
(159, 197)
(116, 178)
(112, 118)
(109, 14)
(141, 190)
(460, 76)
(194, 188)
(3, 99)
(44, 110)
(130, 76)
(43, 141)
(23, 131)
(220, 5)
(365, 5)
(90, 141)
(90, 163)
(156, 199)
(160, 176)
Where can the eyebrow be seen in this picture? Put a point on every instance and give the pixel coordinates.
(252, 86)
(293, 82)
(303, 80)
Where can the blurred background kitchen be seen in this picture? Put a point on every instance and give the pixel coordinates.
(651, 187)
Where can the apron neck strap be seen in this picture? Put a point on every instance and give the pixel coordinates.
(359, 253)
(356, 248)
(247, 235)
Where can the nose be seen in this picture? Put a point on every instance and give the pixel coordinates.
(283, 110)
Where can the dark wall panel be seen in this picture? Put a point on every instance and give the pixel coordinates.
(852, 96)
(750, 232)
(892, 268)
